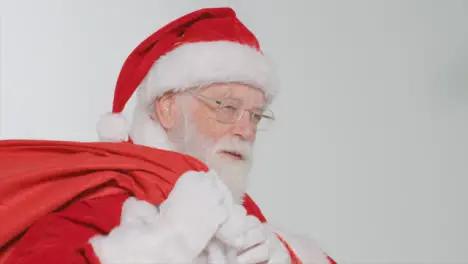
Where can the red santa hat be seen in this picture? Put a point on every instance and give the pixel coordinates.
(206, 46)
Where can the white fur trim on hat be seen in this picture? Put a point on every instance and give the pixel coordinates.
(113, 128)
(193, 65)
(196, 64)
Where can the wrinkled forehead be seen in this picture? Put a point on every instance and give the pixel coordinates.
(248, 94)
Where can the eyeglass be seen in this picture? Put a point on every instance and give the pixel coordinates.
(231, 110)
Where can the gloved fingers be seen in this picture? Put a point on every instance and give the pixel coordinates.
(234, 226)
(201, 259)
(216, 252)
(257, 254)
(252, 222)
(253, 237)
(136, 212)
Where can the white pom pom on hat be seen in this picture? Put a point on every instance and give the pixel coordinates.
(113, 128)
(209, 45)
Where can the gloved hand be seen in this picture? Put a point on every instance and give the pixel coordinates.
(214, 253)
(195, 209)
(185, 223)
(249, 241)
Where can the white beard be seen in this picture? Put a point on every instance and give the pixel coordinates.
(233, 173)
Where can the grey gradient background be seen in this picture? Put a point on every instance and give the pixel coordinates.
(369, 155)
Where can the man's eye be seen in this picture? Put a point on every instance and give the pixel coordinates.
(257, 117)
(230, 107)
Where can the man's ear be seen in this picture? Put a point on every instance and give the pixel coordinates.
(166, 110)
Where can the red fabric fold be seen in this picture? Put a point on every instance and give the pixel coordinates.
(38, 177)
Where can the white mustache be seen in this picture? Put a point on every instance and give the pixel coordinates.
(236, 146)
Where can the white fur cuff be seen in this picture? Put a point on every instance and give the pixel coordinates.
(140, 238)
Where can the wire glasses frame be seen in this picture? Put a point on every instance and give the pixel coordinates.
(231, 110)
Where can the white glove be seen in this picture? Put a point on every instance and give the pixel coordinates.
(219, 253)
(177, 233)
(195, 208)
(244, 236)
(250, 241)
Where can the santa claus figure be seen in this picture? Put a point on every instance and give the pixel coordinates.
(170, 186)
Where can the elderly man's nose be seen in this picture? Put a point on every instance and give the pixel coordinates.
(245, 129)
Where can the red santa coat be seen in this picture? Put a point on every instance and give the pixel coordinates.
(55, 196)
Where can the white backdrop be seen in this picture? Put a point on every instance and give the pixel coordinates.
(370, 153)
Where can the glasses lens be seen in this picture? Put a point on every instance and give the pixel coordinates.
(228, 111)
